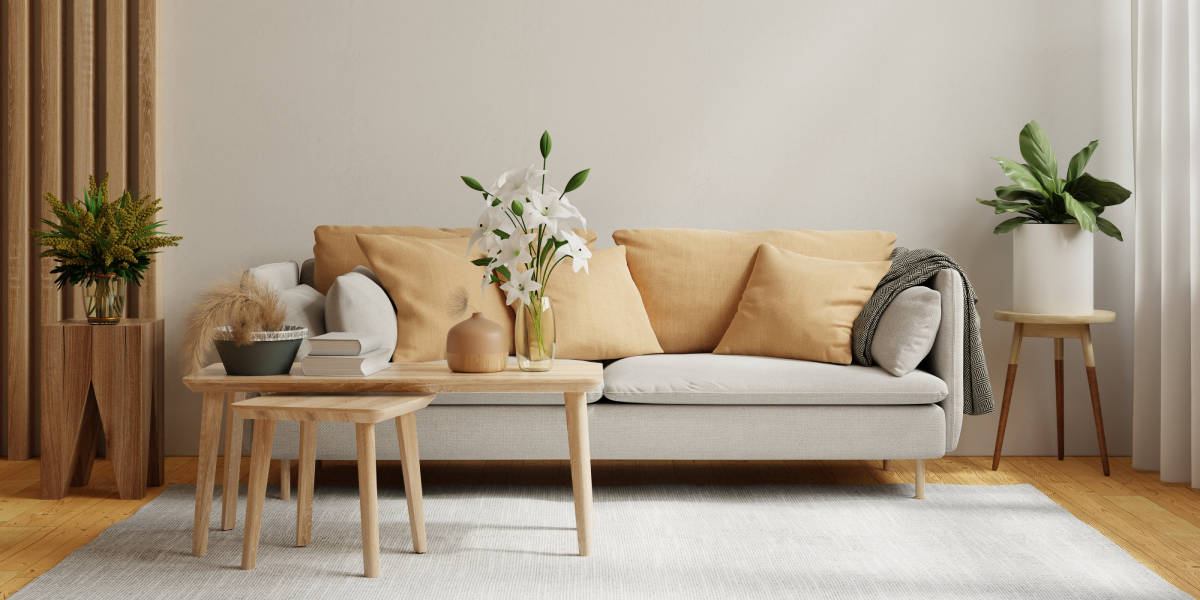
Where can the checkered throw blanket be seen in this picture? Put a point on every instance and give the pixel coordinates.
(916, 267)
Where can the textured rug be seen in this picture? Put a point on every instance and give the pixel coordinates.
(667, 541)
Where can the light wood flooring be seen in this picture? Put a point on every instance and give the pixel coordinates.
(1157, 523)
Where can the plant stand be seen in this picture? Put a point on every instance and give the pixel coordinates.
(102, 376)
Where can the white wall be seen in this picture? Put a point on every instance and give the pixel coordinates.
(280, 116)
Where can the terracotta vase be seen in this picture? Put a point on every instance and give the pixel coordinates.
(477, 345)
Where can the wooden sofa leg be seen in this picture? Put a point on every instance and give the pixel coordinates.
(285, 479)
(920, 482)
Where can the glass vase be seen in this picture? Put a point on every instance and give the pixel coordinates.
(534, 335)
(104, 298)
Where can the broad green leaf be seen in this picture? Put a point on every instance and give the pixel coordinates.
(1081, 212)
(1020, 175)
(1035, 148)
(483, 261)
(1101, 191)
(1109, 229)
(544, 144)
(1080, 160)
(1004, 206)
(500, 234)
(576, 181)
(472, 183)
(1015, 193)
(1010, 224)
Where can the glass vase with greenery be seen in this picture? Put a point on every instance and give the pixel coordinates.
(103, 243)
(525, 232)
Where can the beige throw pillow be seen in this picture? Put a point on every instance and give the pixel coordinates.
(691, 280)
(802, 307)
(599, 315)
(424, 277)
(337, 251)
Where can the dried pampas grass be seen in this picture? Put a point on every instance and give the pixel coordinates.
(246, 306)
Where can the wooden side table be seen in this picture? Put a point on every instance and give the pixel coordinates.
(1057, 327)
(108, 376)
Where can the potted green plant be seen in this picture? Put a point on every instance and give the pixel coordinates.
(1053, 224)
(103, 243)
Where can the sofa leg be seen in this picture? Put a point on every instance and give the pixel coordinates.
(920, 482)
(885, 464)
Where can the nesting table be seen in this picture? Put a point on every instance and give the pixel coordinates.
(1057, 327)
(220, 391)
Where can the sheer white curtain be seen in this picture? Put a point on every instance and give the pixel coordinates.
(1166, 372)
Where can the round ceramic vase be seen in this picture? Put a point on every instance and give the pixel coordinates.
(477, 345)
(1052, 269)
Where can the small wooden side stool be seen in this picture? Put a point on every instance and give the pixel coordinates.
(1057, 327)
(365, 412)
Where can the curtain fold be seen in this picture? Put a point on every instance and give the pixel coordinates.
(1166, 403)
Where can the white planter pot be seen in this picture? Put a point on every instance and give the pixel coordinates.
(1052, 269)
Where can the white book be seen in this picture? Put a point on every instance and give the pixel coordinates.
(346, 366)
(342, 343)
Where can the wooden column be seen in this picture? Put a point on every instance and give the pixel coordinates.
(144, 301)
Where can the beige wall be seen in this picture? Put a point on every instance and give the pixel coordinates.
(279, 116)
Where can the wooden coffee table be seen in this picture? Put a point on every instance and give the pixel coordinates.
(572, 379)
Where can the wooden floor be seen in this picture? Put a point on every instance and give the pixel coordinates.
(1159, 524)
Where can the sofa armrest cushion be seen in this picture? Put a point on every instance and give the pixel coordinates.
(946, 358)
(906, 330)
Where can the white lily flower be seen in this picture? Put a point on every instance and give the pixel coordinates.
(515, 250)
(575, 248)
(518, 184)
(491, 219)
(520, 286)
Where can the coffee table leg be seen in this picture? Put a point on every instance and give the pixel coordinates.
(304, 484)
(206, 468)
(233, 463)
(581, 467)
(410, 460)
(368, 499)
(256, 491)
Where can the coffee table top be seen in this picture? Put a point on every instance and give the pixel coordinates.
(406, 378)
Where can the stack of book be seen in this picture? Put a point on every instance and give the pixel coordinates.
(345, 354)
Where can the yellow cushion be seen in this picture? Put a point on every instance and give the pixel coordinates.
(337, 252)
(599, 315)
(798, 306)
(424, 277)
(691, 280)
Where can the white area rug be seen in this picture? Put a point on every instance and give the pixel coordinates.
(665, 541)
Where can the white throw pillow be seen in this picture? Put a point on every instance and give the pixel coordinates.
(278, 276)
(907, 330)
(356, 303)
(306, 308)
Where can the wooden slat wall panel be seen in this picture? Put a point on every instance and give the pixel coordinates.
(15, 167)
(78, 78)
(143, 50)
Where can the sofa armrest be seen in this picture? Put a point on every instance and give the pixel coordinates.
(946, 357)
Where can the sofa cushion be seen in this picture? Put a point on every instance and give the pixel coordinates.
(358, 304)
(733, 379)
(336, 249)
(802, 307)
(907, 329)
(277, 276)
(598, 313)
(692, 279)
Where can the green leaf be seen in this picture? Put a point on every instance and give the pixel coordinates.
(517, 208)
(483, 261)
(1100, 191)
(1003, 206)
(1035, 148)
(1080, 161)
(471, 183)
(1014, 193)
(495, 202)
(576, 181)
(1010, 224)
(1081, 212)
(1020, 175)
(500, 234)
(1109, 229)
(544, 144)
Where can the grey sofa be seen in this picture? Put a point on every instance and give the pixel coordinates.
(704, 407)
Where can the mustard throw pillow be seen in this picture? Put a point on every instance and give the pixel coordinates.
(337, 252)
(599, 315)
(691, 280)
(424, 277)
(798, 306)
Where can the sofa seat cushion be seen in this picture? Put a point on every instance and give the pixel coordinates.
(736, 379)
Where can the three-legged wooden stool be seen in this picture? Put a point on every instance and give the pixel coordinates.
(365, 412)
(1057, 327)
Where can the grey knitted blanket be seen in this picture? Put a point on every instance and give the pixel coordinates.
(916, 267)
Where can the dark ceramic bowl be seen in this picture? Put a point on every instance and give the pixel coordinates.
(268, 353)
